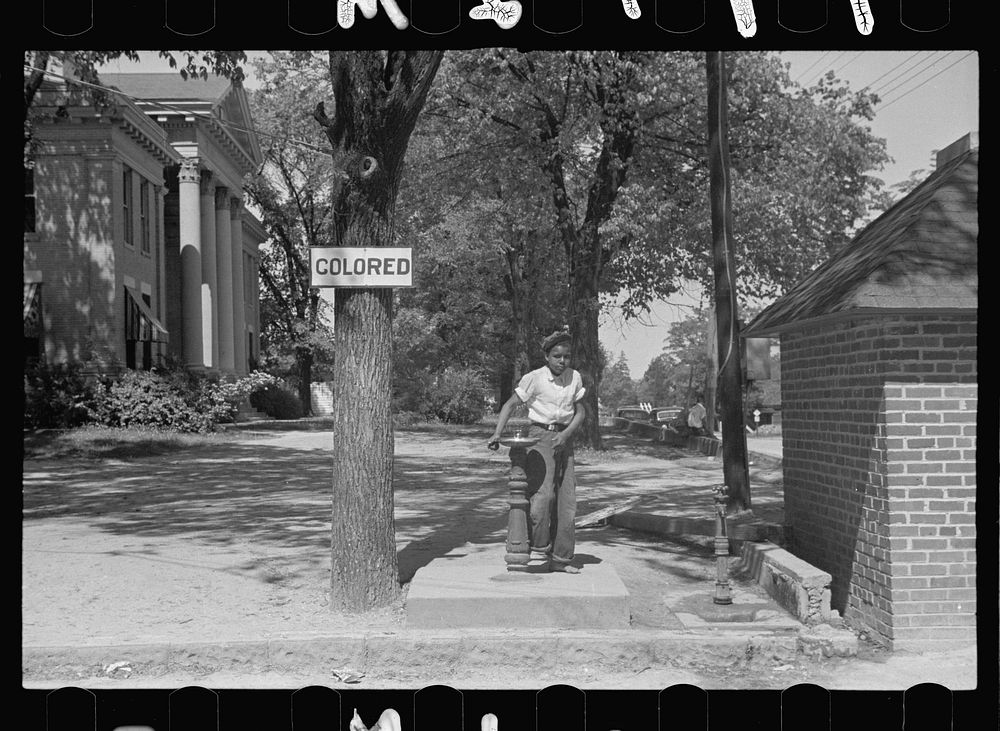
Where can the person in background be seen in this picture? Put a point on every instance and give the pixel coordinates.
(553, 394)
(698, 418)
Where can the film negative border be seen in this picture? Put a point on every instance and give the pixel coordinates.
(466, 23)
(563, 707)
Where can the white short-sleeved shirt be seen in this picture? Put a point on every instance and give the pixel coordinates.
(551, 399)
(696, 416)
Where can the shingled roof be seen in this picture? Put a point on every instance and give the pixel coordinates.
(921, 254)
(169, 86)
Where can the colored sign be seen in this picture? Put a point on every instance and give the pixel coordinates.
(360, 267)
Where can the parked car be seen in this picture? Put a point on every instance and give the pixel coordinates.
(632, 413)
(667, 414)
(656, 414)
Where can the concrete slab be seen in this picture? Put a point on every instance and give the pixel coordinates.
(703, 605)
(473, 587)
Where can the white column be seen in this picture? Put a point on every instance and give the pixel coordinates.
(239, 299)
(159, 256)
(224, 259)
(190, 244)
(209, 287)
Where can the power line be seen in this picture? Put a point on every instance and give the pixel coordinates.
(910, 73)
(905, 81)
(904, 61)
(905, 94)
(186, 112)
(818, 60)
(849, 61)
(837, 58)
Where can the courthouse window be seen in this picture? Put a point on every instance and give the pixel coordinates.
(127, 204)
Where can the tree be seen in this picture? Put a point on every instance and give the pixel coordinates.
(801, 164)
(687, 346)
(904, 187)
(619, 388)
(483, 223)
(618, 145)
(455, 316)
(659, 384)
(377, 97)
(566, 115)
(293, 192)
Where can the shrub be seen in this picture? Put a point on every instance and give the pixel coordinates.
(173, 398)
(56, 397)
(457, 396)
(146, 399)
(403, 419)
(277, 402)
(222, 399)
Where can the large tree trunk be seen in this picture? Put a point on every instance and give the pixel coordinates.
(586, 347)
(515, 285)
(378, 98)
(734, 445)
(363, 541)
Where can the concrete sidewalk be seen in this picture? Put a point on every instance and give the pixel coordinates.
(212, 566)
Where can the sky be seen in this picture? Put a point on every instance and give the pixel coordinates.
(929, 100)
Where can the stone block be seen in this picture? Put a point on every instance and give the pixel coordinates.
(798, 586)
(477, 590)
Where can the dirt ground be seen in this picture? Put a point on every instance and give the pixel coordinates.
(231, 542)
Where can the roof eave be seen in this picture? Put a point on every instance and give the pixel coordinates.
(777, 328)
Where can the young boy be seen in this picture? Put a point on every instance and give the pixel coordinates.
(553, 394)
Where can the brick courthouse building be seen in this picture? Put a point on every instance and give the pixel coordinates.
(879, 402)
(137, 245)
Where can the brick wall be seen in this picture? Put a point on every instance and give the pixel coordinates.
(73, 247)
(879, 458)
(77, 245)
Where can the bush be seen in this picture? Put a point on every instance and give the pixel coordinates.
(56, 397)
(457, 396)
(403, 419)
(222, 399)
(145, 399)
(175, 399)
(277, 402)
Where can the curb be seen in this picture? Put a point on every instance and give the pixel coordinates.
(769, 461)
(796, 585)
(666, 525)
(540, 650)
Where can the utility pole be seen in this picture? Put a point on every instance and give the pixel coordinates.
(730, 391)
(712, 371)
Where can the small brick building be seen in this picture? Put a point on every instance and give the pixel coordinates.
(879, 402)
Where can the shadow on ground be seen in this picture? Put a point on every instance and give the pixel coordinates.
(271, 489)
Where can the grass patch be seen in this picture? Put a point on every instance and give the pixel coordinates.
(439, 427)
(101, 442)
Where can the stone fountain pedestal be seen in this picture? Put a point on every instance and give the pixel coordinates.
(471, 587)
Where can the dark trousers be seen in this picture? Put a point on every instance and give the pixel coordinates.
(552, 497)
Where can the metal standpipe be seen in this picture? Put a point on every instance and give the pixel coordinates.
(722, 592)
(518, 549)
